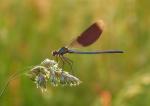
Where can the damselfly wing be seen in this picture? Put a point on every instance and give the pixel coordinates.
(89, 36)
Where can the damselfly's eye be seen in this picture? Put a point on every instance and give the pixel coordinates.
(54, 53)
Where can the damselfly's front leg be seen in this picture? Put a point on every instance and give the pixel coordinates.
(70, 62)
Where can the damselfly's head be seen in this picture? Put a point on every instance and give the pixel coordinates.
(55, 53)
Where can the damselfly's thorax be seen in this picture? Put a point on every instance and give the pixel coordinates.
(61, 51)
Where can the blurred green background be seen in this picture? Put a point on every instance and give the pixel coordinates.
(31, 29)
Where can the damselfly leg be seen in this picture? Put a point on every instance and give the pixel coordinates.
(68, 61)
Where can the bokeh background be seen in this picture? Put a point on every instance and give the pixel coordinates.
(31, 29)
